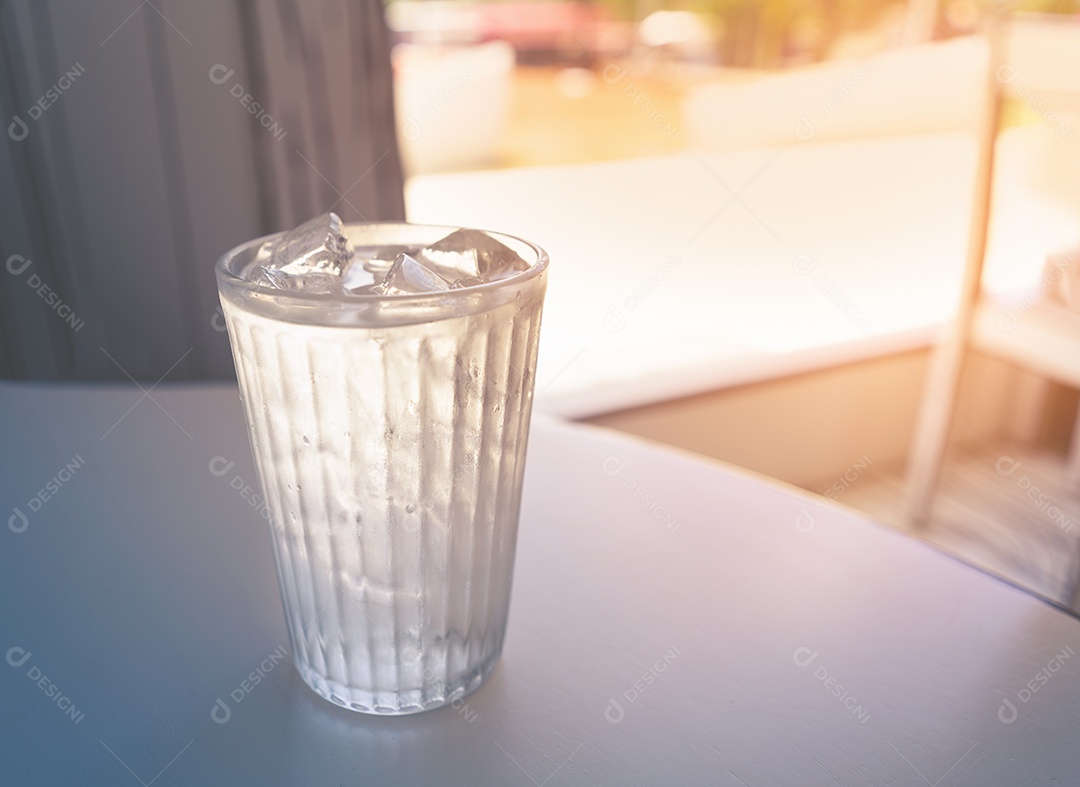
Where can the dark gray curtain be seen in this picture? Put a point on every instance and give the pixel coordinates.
(141, 140)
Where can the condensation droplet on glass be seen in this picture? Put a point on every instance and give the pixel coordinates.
(410, 508)
(305, 439)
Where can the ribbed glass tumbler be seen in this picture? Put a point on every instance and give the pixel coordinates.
(389, 436)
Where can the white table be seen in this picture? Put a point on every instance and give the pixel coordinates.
(674, 622)
(683, 274)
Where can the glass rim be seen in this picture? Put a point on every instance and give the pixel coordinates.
(226, 275)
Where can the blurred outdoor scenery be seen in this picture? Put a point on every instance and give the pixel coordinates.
(572, 82)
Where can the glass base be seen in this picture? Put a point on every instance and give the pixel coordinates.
(398, 703)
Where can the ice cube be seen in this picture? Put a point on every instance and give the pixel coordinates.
(467, 281)
(471, 254)
(357, 277)
(275, 279)
(408, 276)
(308, 258)
(378, 259)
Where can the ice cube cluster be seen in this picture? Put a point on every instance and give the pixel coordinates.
(316, 257)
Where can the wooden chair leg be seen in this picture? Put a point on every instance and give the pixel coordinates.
(932, 429)
(1072, 482)
(935, 418)
(1072, 464)
(1076, 588)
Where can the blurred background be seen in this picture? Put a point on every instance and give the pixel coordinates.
(538, 80)
(832, 242)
